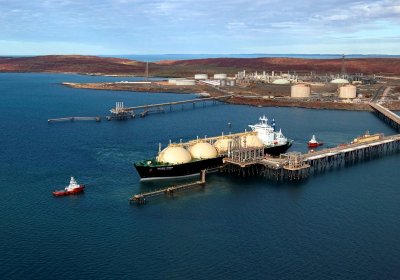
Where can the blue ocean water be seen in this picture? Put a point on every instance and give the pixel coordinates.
(342, 224)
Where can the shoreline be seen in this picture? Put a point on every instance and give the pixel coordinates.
(236, 99)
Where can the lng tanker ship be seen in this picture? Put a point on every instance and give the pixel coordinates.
(187, 159)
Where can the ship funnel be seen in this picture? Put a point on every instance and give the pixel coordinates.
(273, 124)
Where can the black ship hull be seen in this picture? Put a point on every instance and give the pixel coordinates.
(156, 172)
(177, 170)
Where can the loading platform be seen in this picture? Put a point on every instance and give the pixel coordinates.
(296, 165)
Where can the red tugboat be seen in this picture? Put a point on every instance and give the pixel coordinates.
(313, 143)
(72, 188)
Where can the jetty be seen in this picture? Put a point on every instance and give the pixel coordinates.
(141, 198)
(295, 165)
(385, 114)
(152, 111)
(120, 112)
(72, 119)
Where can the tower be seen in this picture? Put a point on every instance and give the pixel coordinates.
(343, 72)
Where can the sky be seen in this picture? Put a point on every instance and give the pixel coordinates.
(101, 27)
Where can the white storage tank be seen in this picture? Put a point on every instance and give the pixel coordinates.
(185, 82)
(203, 150)
(348, 91)
(174, 154)
(300, 91)
(222, 83)
(220, 76)
(200, 76)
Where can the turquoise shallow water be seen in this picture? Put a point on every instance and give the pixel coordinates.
(342, 224)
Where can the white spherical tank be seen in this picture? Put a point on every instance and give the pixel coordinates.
(222, 145)
(251, 141)
(203, 150)
(200, 76)
(220, 76)
(174, 154)
(348, 91)
(185, 82)
(281, 82)
(300, 91)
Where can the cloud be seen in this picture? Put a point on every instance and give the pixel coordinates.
(154, 24)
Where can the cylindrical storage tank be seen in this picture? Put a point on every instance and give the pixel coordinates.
(203, 150)
(222, 145)
(222, 83)
(348, 91)
(251, 141)
(220, 76)
(185, 82)
(232, 83)
(174, 154)
(200, 76)
(300, 91)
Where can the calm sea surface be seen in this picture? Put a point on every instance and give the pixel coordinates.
(342, 224)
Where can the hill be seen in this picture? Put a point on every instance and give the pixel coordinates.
(187, 68)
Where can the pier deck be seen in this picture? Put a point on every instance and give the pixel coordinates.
(296, 165)
(387, 115)
(141, 197)
(197, 100)
(120, 112)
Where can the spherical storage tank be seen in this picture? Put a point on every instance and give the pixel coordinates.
(220, 76)
(203, 150)
(174, 154)
(200, 76)
(251, 141)
(347, 91)
(222, 145)
(185, 82)
(281, 82)
(300, 91)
